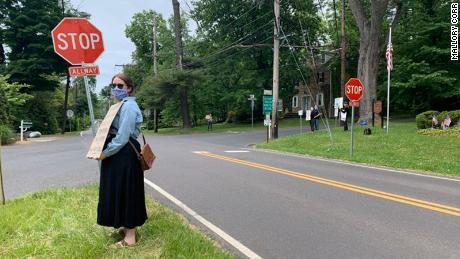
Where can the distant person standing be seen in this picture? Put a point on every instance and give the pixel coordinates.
(316, 117)
(312, 120)
(343, 116)
(209, 119)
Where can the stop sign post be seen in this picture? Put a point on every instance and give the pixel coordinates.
(354, 90)
(80, 43)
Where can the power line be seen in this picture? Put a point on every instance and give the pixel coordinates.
(238, 51)
(186, 3)
(246, 24)
(226, 48)
(81, 2)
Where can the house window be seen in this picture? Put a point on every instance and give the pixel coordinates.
(320, 99)
(320, 76)
(295, 101)
(323, 58)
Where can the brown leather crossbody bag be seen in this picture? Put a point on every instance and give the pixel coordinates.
(146, 157)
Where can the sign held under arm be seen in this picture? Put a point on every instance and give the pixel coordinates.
(97, 146)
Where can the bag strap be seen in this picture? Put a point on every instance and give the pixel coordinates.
(143, 137)
(139, 156)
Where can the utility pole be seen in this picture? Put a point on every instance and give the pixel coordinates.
(67, 85)
(276, 63)
(155, 68)
(343, 46)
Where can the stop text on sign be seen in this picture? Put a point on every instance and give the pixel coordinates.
(77, 40)
(355, 89)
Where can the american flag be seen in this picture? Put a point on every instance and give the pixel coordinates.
(389, 55)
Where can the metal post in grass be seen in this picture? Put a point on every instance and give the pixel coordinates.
(352, 126)
(300, 120)
(2, 193)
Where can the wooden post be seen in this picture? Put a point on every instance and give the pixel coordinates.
(276, 62)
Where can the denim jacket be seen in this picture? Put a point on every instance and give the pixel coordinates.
(126, 124)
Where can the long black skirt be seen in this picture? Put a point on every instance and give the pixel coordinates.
(121, 189)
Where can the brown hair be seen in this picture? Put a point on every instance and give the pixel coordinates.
(128, 81)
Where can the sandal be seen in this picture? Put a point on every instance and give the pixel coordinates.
(118, 233)
(122, 244)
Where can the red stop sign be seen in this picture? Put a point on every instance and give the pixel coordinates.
(77, 41)
(354, 89)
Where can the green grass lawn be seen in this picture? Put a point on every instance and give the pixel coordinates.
(224, 127)
(402, 148)
(62, 224)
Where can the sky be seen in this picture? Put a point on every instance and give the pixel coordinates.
(111, 18)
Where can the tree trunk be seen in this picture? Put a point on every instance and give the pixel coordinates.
(66, 98)
(369, 51)
(179, 53)
(2, 54)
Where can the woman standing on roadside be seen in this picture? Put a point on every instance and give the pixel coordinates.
(121, 191)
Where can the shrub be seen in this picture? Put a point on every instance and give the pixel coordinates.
(424, 119)
(455, 117)
(6, 135)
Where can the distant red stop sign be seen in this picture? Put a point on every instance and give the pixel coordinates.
(354, 89)
(77, 41)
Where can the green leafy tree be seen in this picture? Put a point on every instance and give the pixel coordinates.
(4, 108)
(16, 98)
(424, 77)
(28, 25)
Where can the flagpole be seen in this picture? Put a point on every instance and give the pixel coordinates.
(388, 90)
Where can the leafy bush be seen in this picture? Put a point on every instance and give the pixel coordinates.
(6, 135)
(424, 119)
(454, 116)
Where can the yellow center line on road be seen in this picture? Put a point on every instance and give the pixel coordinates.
(342, 185)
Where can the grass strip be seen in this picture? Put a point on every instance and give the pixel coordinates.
(61, 223)
(226, 127)
(401, 148)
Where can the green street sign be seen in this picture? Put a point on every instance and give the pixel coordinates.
(268, 104)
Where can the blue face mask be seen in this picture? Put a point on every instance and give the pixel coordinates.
(119, 94)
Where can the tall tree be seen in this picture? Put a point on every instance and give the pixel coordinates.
(27, 35)
(179, 57)
(369, 18)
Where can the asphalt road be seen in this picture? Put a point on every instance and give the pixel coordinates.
(277, 205)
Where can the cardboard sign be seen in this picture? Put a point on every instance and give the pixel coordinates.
(97, 145)
(307, 115)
